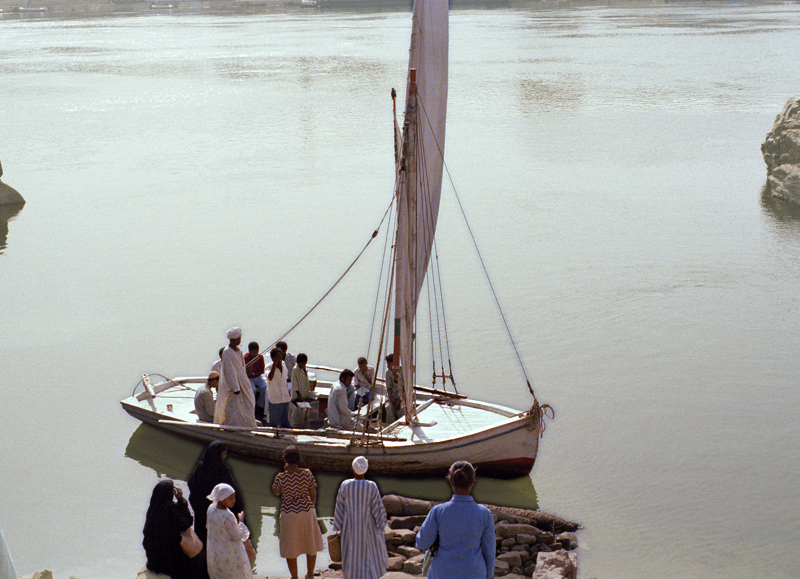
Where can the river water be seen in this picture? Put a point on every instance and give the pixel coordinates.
(190, 171)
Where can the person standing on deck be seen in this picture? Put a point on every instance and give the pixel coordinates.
(301, 394)
(363, 378)
(360, 517)
(394, 390)
(339, 414)
(278, 391)
(289, 361)
(235, 400)
(254, 365)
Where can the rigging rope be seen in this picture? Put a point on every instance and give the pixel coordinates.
(483, 266)
(341, 277)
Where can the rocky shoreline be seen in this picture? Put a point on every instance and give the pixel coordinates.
(529, 544)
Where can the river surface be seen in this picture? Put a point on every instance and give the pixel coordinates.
(190, 171)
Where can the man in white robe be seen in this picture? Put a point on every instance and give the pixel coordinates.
(339, 415)
(235, 400)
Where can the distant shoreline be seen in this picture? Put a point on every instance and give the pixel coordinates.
(57, 9)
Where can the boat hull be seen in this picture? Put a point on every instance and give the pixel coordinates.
(506, 449)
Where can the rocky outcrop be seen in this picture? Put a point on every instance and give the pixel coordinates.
(781, 151)
(9, 195)
(522, 537)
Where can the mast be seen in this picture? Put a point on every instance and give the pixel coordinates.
(419, 177)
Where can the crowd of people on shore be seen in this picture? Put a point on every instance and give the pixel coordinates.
(214, 543)
(250, 392)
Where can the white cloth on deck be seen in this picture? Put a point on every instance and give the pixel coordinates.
(234, 409)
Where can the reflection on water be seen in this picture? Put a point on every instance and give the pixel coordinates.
(782, 212)
(7, 214)
(173, 457)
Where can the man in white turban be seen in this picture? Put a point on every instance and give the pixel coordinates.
(235, 400)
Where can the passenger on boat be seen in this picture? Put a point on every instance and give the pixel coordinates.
(278, 392)
(254, 365)
(363, 377)
(360, 517)
(227, 533)
(167, 517)
(299, 530)
(300, 408)
(288, 360)
(217, 366)
(463, 529)
(394, 390)
(204, 398)
(339, 414)
(235, 400)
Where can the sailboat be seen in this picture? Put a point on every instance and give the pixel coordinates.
(439, 426)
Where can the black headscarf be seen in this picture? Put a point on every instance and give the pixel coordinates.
(208, 473)
(164, 522)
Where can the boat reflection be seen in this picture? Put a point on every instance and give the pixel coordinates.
(174, 457)
(7, 214)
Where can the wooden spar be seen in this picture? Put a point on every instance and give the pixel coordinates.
(266, 430)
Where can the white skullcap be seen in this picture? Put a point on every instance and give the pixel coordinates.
(360, 465)
(220, 492)
(234, 333)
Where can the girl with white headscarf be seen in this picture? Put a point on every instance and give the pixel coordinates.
(360, 517)
(225, 551)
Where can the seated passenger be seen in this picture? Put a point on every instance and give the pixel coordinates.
(363, 378)
(339, 414)
(204, 398)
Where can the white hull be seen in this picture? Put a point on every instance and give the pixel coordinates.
(502, 442)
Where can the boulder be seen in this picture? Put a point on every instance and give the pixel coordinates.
(508, 530)
(397, 506)
(413, 566)
(47, 574)
(508, 542)
(408, 551)
(406, 522)
(395, 564)
(501, 568)
(524, 539)
(557, 565)
(513, 558)
(781, 151)
(567, 540)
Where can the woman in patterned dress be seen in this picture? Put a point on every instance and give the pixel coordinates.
(300, 534)
(226, 554)
(360, 517)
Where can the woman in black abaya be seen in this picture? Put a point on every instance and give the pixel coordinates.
(164, 522)
(208, 473)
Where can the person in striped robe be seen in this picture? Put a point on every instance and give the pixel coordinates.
(360, 518)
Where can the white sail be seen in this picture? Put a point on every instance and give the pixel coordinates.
(419, 182)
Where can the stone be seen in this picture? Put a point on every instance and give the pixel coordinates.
(507, 530)
(524, 539)
(395, 564)
(397, 506)
(408, 552)
(501, 568)
(529, 568)
(516, 576)
(519, 548)
(336, 566)
(547, 538)
(513, 558)
(47, 574)
(144, 573)
(413, 566)
(567, 540)
(406, 522)
(556, 565)
(408, 536)
(781, 152)
(392, 537)
(508, 542)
